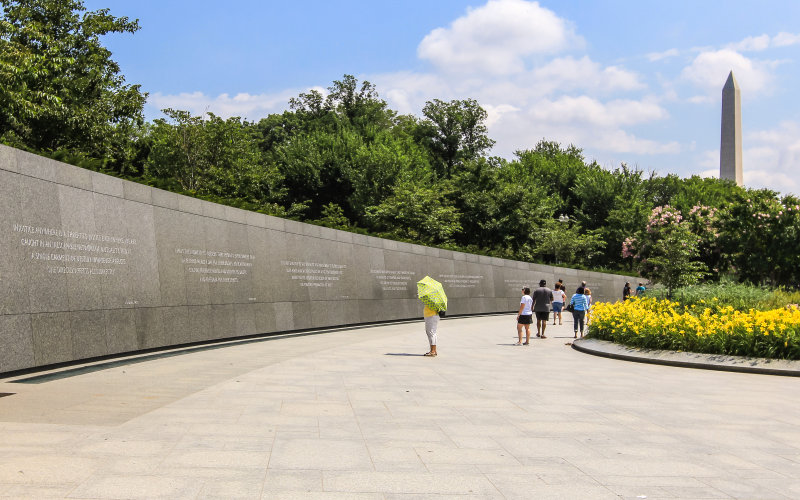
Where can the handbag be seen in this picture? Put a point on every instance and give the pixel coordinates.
(442, 314)
(570, 307)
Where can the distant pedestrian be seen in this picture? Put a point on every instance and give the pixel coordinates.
(431, 324)
(583, 285)
(559, 297)
(579, 307)
(640, 290)
(588, 294)
(524, 316)
(626, 291)
(542, 298)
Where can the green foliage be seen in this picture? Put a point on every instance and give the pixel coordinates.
(420, 212)
(739, 296)
(559, 242)
(761, 232)
(59, 87)
(454, 132)
(333, 216)
(668, 250)
(212, 156)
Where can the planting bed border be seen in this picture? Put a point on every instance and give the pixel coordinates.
(720, 362)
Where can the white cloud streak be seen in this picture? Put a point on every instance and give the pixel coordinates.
(764, 42)
(658, 56)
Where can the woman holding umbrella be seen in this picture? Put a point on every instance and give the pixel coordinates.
(432, 295)
(431, 323)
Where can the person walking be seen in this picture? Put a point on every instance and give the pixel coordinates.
(559, 297)
(542, 298)
(640, 290)
(590, 300)
(431, 324)
(524, 316)
(583, 285)
(579, 307)
(626, 291)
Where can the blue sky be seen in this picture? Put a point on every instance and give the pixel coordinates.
(628, 81)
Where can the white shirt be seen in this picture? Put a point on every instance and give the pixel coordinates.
(527, 302)
(559, 296)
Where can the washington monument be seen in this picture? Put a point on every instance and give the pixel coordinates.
(730, 150)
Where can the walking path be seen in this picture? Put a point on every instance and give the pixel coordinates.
(361, 414)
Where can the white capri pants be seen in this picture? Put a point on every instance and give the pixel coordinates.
(431, 322)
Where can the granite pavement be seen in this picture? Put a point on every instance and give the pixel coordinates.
(361, 414)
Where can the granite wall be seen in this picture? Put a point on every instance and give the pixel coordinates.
(92, 265)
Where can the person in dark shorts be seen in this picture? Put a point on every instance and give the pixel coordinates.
(542, 298)
(626, 292)
(524, 316)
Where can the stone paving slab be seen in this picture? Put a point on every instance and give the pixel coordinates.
(361, 414)
(763, 366)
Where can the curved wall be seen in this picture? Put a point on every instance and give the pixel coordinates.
(92, 265)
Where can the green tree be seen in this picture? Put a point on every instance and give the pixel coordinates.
(498, 211)
(213, 156)
(667, 251)
(59, 87)
(564, 242)
(454, 131)
(759, 236)
(418, 212)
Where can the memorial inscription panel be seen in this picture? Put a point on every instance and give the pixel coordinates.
(64, 251)
(92, 265)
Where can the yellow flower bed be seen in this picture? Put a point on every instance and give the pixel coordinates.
(707, 328)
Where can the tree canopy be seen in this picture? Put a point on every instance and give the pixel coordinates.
(60, 88)
(345, 159)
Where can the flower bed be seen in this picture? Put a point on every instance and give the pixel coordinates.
(705, 328)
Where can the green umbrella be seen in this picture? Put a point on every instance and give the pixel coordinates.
(431, 293)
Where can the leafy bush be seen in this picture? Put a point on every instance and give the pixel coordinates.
(739, 296)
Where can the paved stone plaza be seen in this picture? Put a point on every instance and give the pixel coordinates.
(360, 414)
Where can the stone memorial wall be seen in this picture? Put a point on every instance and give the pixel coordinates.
(92, 265)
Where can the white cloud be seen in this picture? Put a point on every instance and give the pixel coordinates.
(784, 39)
(568, 73)
(657, 56)
(709, 71)
(772, 156)
(754, 43)
(587, 110)
(764, 42)
(495, 113)
(769, 159)
(497, 38)
(251, 106)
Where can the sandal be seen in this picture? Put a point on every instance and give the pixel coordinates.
(430, 354)
(525, 343)
(518, 343)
